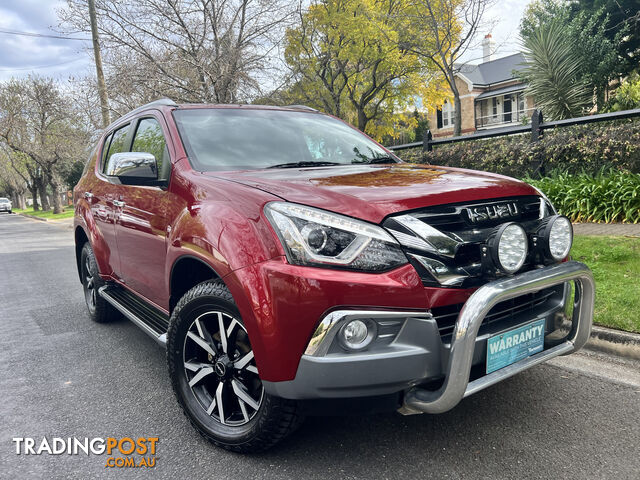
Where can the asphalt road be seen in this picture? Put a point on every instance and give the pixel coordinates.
(63, 376)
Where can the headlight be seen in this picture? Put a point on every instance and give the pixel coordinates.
(316, 237)
(509, 246)
(556, 234)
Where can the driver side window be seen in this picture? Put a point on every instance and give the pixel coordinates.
(117, 145)
(150, 139)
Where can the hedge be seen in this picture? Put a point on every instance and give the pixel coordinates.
(585, 148)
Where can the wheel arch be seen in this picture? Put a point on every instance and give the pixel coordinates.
(81, 238)
(186, 272)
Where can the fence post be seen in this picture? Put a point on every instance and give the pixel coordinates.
(537, 165)
(426, 141)
(536, 120)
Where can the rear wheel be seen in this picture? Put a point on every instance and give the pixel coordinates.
(100, 310)
(215, 377)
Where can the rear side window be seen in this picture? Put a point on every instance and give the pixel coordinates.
(149, 139)
(117, 144)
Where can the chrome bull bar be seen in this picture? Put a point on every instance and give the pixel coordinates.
(456, 385)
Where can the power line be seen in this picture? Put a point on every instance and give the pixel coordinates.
(40, 66)
(42, 35)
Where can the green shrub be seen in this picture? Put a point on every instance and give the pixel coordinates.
(627, 96)
(609, 196)
(584, 148)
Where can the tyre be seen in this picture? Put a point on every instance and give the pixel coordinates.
(100, 310)
(215, 378)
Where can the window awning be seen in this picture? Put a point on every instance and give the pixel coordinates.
(501, 91)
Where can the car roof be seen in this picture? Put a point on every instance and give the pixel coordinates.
(168, 104)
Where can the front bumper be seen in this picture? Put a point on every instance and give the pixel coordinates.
(419, 354)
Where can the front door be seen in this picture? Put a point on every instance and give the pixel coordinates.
(506, 109)
(141, 228)
(102, 195)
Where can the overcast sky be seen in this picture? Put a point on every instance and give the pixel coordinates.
(22, 55)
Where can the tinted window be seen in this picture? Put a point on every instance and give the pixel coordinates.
(117, 145)
(149, 138)
(235, 139)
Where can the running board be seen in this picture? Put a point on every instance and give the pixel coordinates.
(152, 321)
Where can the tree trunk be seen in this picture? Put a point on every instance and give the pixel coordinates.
(457, 120)
(42, 192)
(34, 195)
(362, 120)
(57, 204)
(22, 202)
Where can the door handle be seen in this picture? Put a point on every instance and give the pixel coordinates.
(118, 203)
(88, 195)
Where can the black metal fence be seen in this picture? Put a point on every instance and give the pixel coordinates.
(536, 129)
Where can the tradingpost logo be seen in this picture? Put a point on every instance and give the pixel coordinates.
(125, 452)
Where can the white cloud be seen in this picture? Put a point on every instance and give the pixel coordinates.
(51, 57)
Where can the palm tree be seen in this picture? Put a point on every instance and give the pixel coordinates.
(553, 73)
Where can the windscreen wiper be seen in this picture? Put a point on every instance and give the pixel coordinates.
(304, 164)
(377, 160)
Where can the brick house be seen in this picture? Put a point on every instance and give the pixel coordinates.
(490, 96)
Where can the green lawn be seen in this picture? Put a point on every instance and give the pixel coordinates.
(67, 213)
(615, 262)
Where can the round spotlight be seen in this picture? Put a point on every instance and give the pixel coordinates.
(509, 246)
(357, 334)
(557, 236)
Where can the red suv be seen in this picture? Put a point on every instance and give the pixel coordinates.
(292, 265)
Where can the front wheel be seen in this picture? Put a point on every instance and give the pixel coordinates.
(215, 377)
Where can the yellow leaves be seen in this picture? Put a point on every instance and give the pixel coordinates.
(349, 61)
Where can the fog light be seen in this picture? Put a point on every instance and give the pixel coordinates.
(357, 334)
(557, 237)
(509, 246)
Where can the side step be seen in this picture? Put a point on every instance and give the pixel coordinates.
(152, 321)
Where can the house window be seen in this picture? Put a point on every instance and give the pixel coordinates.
(521, 106)
(448, 115)
(495, 106)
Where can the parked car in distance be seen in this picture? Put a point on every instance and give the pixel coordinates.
(291, 265)
(5, 205)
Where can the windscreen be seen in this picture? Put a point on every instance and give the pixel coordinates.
(237, 139)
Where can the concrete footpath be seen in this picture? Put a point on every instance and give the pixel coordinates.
(615, 229)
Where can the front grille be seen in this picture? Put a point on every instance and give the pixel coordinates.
(454, 218)
(444, 242)
(509, 310)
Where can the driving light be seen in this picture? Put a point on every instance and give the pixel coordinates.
(556, 234)
(508, 247)
(315, 237)
(357, 334)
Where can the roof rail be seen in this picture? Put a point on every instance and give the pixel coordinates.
(155, 103)
(303, 107)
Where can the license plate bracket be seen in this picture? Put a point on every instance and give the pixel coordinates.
(509, 347)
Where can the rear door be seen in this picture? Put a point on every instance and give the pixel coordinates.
(142, 224)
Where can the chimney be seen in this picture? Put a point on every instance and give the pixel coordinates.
(488, 48)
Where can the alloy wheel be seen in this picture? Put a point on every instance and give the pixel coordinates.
(89, 285)
(220, 368)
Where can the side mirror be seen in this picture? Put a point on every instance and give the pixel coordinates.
(133, 168)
